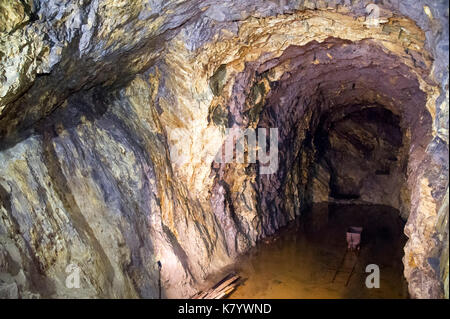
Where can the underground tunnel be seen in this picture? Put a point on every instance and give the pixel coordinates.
(150, 149)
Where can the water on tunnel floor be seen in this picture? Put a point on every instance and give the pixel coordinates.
(302, 259)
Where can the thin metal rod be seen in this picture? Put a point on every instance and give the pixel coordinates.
(340, 265)
(353, 269)
(159, 277)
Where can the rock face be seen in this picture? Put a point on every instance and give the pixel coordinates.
(365, 157)
(112, 112)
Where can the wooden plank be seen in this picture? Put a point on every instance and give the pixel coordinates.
(227, 291)
(223, 280)
(227, 283)
(221, 289)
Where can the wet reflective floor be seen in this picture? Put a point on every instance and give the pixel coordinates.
(301, 261)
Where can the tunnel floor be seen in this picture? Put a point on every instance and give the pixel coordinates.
(301, 260)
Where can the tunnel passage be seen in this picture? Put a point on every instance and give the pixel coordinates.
(350, 115)
(344, 91)
(359, 155)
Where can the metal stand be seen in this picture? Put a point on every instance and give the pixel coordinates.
(159, 277)
(342, 263)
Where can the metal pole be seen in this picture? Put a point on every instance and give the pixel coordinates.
(159, 277)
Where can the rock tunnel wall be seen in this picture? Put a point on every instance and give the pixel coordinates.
(96, 95)
(362, 152)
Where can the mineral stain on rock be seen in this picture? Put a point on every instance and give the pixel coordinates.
(217, 81)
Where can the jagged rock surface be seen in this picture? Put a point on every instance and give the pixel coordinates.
(95, 94)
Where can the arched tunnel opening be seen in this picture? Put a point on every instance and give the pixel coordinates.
(344, 112)
(151, 149)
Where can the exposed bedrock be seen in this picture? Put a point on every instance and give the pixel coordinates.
(97, 97)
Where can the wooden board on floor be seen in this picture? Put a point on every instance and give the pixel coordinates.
(220, 290)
